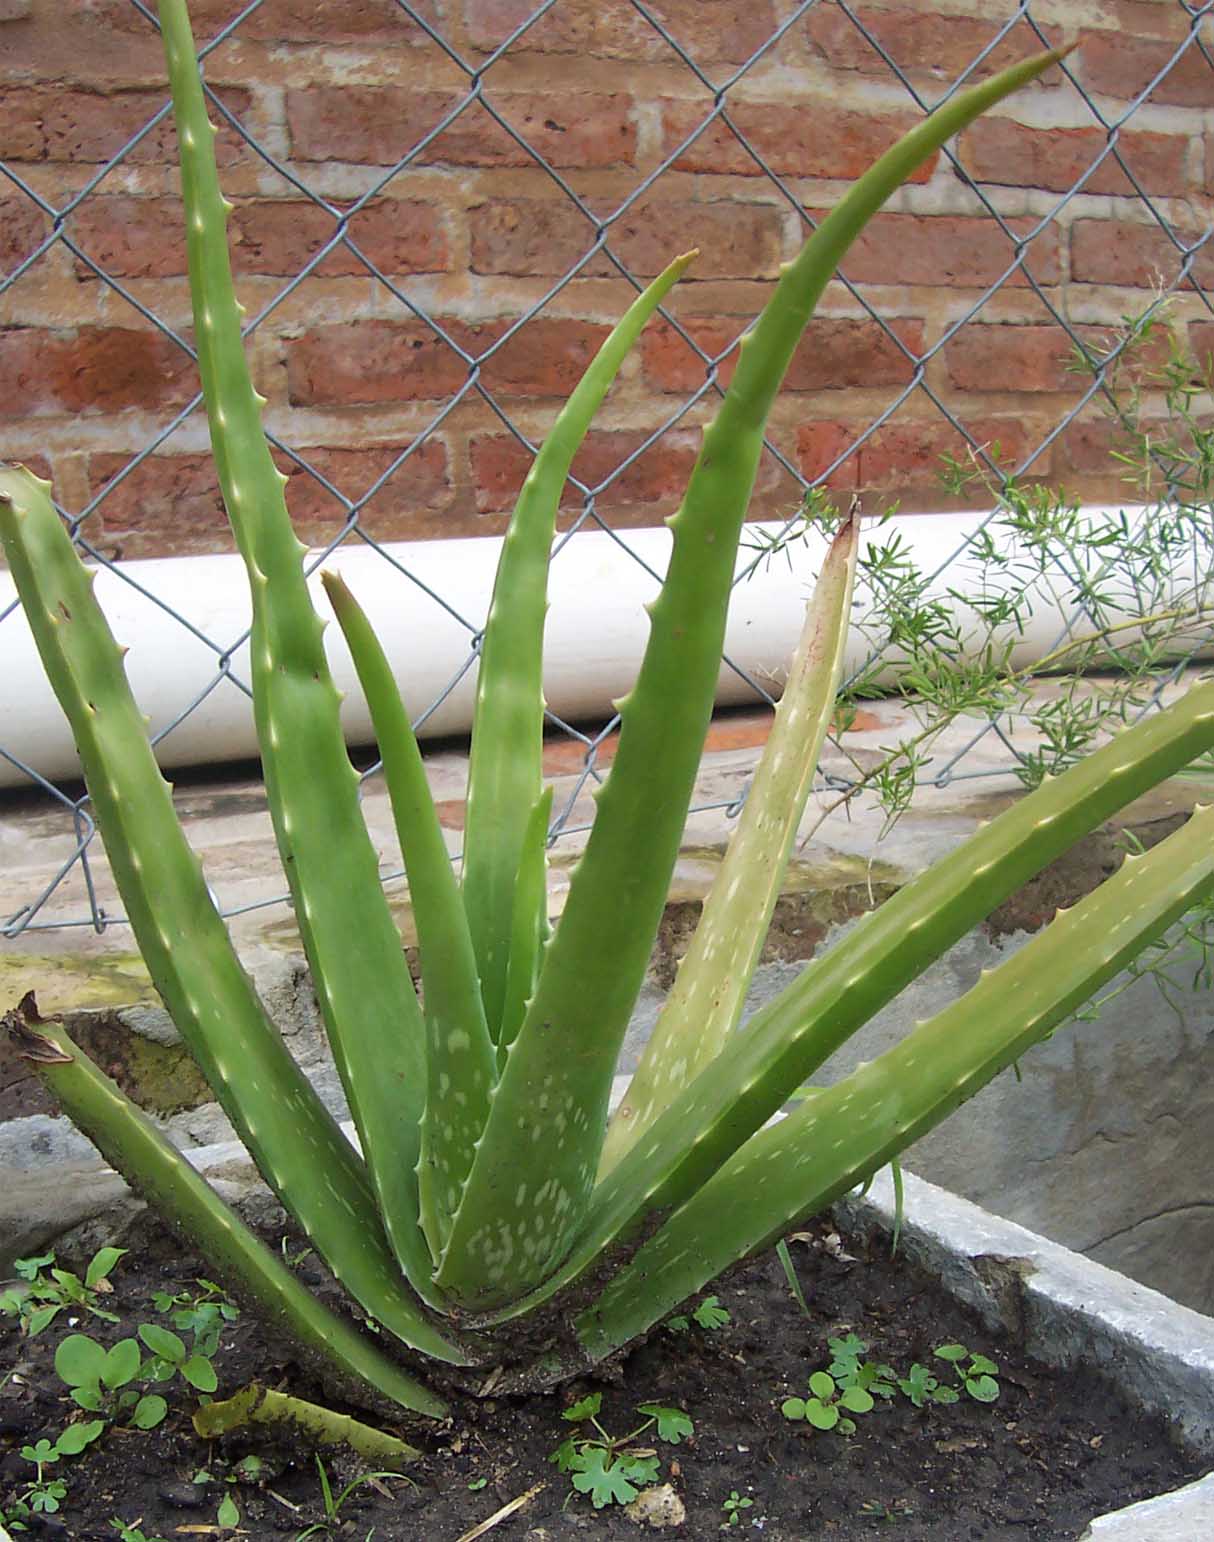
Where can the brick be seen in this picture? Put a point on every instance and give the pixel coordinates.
(22, 227)
(950, 251)
(144, 237)
(904, 456)
(1116, 64)
(919, 42)
(1201, 347)
(791, 140)
(397, 235)
(547, 357)
(645, 491)
(711, 31)
(1087, 445)
(21, 136)
(172, 499)
(41, 123)
(658, 477)
(371, 362)
(130, 237)
(172, 502)
(378, 125)
(90, 370)
(833, 354)
(368, 362)
(290, 21)
(420, 487)
(1085, 452)
(1002, 151)
(1001, 357)
(530, 237)
(1131, 256)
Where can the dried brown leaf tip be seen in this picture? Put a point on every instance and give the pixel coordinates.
(20, 1024)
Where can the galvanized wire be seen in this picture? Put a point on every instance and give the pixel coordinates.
(478, 95)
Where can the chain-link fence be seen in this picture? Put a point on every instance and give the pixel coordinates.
(581, 138)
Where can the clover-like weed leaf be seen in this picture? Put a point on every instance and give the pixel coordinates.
(673, 1424)
(587, 1408)
(641, 1470)
(606, 1482)
(565, 1455)
(710, 1314)
(918, 1384)
(43, 1452)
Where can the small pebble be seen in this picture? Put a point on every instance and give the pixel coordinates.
(184, 1496)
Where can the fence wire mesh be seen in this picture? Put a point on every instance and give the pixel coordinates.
(719, 123)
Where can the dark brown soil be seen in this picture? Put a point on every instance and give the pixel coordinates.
(1052, 1451)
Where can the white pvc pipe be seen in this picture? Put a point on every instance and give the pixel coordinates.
(596, 632)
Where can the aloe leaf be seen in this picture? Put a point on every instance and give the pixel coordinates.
(461, 1062)
(504, 767)
(272, 1105)
(130, 1142)
(255, 1404)
(841, 989)
(358, 967)
(522, 1204)
(530, 931)
(840, 1135)
(705, 1003)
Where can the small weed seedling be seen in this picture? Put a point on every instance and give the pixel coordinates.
(709, 1315)
(201, 1314)
(614, 1469)
(249, 1469)
(850, 1368)
(36, 1298)
(828, 1404)
(851, 1383)
(733, 1507)
(975, 1372)
(169, 1356)
(876, 1510)
(129, 1531)
(921, 1387)
(45, 1496)
(333, 1503)
(107, 1381)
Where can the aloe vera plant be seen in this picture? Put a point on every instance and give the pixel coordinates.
(487, 1187)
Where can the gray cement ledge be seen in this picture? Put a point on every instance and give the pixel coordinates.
(1066, 1311)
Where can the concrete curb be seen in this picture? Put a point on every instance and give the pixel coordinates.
(1068, 1310)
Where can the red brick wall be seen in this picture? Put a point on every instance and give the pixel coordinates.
(475, 233)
